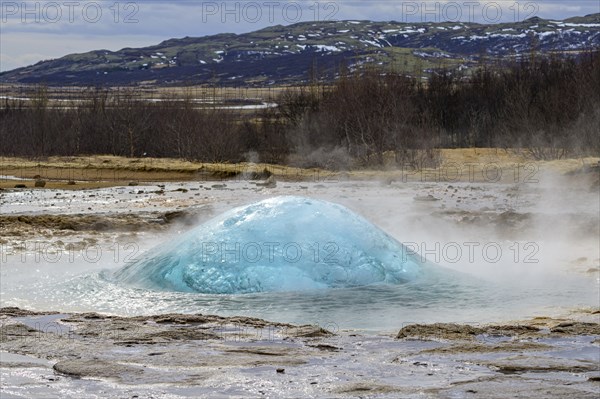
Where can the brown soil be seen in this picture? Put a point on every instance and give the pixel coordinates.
(109, 171)
(18, 312)
(523, 330)
(508, 346)
(18, 225)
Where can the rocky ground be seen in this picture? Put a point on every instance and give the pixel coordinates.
(92, 355)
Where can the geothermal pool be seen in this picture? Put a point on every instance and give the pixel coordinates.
(465, 252)
(280, 244)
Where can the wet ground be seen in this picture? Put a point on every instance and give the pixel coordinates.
(171, 356)
(541, 339)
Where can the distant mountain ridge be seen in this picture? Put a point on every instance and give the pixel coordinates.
(286, 54)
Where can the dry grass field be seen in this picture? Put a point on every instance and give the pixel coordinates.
(466, 165)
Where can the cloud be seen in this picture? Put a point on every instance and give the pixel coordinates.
(22, 49)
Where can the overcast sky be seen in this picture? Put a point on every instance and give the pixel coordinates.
(31, 31)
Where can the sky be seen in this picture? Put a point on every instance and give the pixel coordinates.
(31, 31)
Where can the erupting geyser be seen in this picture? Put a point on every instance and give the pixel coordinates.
(278, 244)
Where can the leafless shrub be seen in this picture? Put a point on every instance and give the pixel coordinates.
(549, 107)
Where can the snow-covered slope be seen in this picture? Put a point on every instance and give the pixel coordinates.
(285, 54)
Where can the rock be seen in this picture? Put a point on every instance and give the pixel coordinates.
(185, 217)
(439, 330)
(71, 183)
(20, 186)
(308, 331)
(18, 312)
(426, 198)
(12, 332)
(264, 174)
(40, 183)
(576, 328)
(133, 183)
(181, 319)
(95, 368)
(325, 347)
(269, 183)
(174, 334)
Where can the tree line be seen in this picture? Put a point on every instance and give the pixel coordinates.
(549, 107)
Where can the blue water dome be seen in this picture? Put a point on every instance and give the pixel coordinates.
(278, 244)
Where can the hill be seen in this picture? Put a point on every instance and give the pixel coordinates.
(292, 54)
